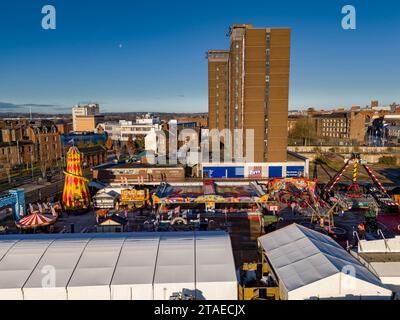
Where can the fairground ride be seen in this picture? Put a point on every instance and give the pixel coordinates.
(353, 198)
(76, 194)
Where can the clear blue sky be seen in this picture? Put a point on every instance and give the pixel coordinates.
(161, 65)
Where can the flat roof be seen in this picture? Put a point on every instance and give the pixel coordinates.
(224, 190)
(218, 51)
(116, 166)
(381, 257)
(332, 115)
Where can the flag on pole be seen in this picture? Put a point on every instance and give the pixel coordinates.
(177, 210)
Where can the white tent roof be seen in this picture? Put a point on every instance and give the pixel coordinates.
(5, 246)
(300, 257)
(62, 255)
(175, 268)
(213, 272)
(175, 260)
(18, 263)
(97, 263)
(132, 270)
(214, 258)
(115, 266)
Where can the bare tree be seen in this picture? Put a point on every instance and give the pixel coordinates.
(304, 129)
(131, 146)
(140, 142)
(117, 149)
(43, 168)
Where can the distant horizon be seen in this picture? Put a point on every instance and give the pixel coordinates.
(104, 113)
(2, 113)
(151, 56)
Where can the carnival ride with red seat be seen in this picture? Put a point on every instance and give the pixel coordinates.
(353, 197)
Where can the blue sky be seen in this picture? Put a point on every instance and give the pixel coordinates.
(161, 65)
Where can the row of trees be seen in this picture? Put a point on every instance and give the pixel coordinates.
(89, 144)
(304, 130)
(130, 148)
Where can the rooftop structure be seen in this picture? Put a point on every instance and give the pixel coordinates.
(382, 257)
(123, 130)
(132, 172)
(208, 191)
(85, 117)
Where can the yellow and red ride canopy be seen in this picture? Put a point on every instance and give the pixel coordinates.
(76, 193)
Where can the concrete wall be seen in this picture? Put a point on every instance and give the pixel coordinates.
(45, 192)
(390, 245)
(370, 154)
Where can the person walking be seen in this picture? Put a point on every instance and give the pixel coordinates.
(293, 206)
(361, 230)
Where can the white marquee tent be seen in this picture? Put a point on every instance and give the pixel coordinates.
(132, 266)
(310, 265)
(382, 257)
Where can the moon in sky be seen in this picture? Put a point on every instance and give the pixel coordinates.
(120, 45)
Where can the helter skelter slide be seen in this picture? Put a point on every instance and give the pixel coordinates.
(353, 198)
(76, 195)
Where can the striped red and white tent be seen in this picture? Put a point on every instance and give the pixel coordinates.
(35, 220)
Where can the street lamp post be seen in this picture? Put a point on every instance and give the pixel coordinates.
(32, 162)
(9, 164)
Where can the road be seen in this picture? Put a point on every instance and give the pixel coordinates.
(82, 223)
(39, 189)
(18, 181)
(391, 173)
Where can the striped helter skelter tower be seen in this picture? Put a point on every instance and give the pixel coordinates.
(76, 191)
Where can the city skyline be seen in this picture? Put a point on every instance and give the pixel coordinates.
(199, 151)
(118, 58)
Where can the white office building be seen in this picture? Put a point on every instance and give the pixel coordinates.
(82, 111)
(122, 130)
